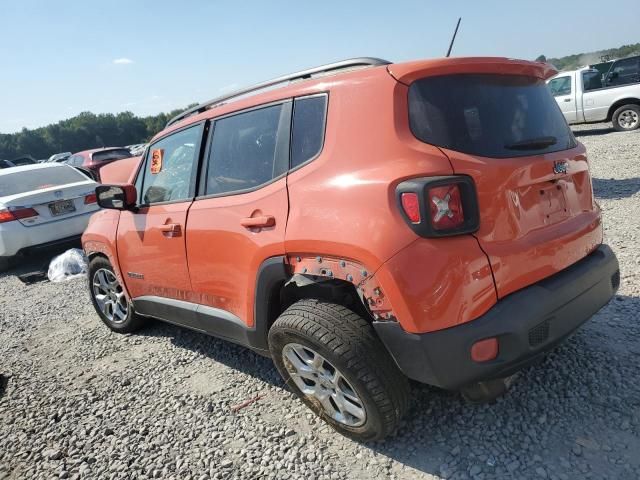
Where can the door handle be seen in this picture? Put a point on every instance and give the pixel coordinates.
(567, 99)
(171, 229)
(258, 222)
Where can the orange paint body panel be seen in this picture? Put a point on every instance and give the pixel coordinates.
(152, 255)
(224, 256)
(534, 222)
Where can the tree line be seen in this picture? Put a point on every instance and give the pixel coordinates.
(577, 60)
(84, 131)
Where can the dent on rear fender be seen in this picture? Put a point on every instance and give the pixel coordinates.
(351, 271)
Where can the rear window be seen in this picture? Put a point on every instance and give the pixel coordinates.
(488, 115)
(111, 155)
(30, 180)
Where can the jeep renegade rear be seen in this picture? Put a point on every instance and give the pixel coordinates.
(364, 224)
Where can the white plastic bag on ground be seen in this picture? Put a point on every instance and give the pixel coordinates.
(67, 266)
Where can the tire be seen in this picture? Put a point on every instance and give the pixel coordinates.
(121, 320)
(626, 118)
(349, 350)
(6, 263)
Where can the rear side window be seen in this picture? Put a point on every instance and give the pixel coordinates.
(169, 167)
(591, 80)
(308, 128)
(111, 155)
(488, 115)
(39, 179)
(244, 152)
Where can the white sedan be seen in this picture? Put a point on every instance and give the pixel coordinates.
(42, 205)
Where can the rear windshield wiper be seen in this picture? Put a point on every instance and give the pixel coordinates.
(532, 143)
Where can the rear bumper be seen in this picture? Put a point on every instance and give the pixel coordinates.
(16, 238)
(527, 323)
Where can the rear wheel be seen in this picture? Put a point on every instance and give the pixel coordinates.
(109, 300)
(331, 358)
(6, 263)
(626, 118)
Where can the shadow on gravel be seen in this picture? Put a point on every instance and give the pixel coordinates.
(4, 380)
(593, 131)
(221, 351)
(35, 262)
(576, 400)
(612, 188)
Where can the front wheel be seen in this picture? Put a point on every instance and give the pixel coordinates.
(109, 300)
(331, 358)
(626, 118)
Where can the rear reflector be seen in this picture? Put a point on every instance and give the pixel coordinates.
(411, 206)
(91, 198)
(445, 204)
(16, 214)
(484, 350)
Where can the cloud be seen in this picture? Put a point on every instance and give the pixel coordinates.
(122, 61)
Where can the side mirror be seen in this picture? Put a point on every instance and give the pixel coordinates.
(116, 197)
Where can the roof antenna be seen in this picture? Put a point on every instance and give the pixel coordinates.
(453, 39)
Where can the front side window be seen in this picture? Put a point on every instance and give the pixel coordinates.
(244, 151)
(169, 167)
(624, 72)
(488, 115)
(560, 86)
(308, 128)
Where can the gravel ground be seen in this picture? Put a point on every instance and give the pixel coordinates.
(82, 402)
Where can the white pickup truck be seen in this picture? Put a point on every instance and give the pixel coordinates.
(585, 97)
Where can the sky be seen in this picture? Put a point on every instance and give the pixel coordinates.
(62, 57)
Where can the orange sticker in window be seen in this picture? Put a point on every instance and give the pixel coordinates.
(156, 161)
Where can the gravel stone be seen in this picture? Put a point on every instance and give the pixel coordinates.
(83, 402)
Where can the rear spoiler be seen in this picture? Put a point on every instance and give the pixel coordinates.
(409, 72)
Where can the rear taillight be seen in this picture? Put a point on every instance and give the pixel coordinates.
(91, 198)
(439, 206)
(19, 213)
(445, 207)
(411, 206)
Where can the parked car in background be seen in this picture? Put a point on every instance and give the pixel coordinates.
(137, 150)
(623, 72)
(59, 157)
(42, 205)
(17, 162)
(97, 158)
(584, 97)
(364, 224)
(122, 171)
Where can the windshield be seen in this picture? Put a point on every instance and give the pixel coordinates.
(111, 155)
(488, 115)
(30, 180)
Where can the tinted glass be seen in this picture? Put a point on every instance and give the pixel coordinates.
(111, 155)
(169, 167)
(243, 151)
(625, 71)
(39, 179)
(308, 128)
(488, 115)
(560, 86)
(591, 81)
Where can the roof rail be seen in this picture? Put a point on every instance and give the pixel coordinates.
(302, 75)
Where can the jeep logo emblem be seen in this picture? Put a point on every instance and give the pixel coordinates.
(560, 167)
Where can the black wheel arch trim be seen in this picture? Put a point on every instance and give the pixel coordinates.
(221, 323)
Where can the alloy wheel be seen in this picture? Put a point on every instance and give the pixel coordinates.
(109, 296)
(628, 119)
(324, 384)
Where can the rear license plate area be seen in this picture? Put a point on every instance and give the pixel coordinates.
(62, 207)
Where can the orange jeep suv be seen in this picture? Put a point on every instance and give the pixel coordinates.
(364, 223)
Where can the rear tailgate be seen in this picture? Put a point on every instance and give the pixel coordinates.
(498, 123)
(533, 222)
